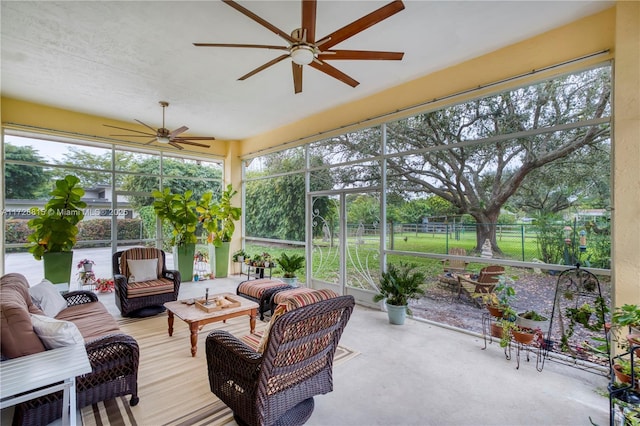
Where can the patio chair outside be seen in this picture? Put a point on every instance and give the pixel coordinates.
(455, 266)
(485, 284)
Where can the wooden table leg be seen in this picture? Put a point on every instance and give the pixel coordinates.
(252, 320)
(194, 337)
(170, 321)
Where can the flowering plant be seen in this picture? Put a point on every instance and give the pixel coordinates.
(104, 285)
(83, 261)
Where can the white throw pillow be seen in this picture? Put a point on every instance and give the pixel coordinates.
(48, 298)
(55, 333)
(143, 270)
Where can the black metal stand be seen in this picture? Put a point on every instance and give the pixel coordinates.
(578, 308)
(624, 398)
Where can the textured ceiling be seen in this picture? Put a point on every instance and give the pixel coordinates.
(117, 59)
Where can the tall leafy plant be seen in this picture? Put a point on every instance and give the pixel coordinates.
(55, 228)
(179, 211)
(218, 217)
(401, 283)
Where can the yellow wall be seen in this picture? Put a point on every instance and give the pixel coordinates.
(66, 123)
(626, 156)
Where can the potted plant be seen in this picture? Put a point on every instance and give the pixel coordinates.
(627, 317)
(179, 211)
(218, 219)
(239, 256)
(290, 264)
(397, 285)
(622, 370)
(500, 300)
(533, 320)
(55, 229)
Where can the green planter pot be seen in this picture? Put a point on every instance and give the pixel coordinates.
(57, 266)
(397, 314)
(183, 259)
(222, 260)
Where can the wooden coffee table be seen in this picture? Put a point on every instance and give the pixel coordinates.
(197, 318)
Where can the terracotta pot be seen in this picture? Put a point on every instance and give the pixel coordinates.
(623, 378)
(496, 330)
(524, 337)
(495, 311)
(634, 340)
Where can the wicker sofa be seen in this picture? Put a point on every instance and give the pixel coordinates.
(113, 356)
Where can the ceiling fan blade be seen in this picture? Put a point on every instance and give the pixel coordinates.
(155, 131)
(255, 46)
(130, 130)
(146, 135)
(328, 55)
(260, 21)
(265, 66)
(360, 24)
(188, 142)
(177, 131)
(297, 77)
(175, 145)
(333, 72)
(195, 138)
(309, 20)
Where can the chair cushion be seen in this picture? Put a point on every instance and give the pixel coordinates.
(46, 296)
(149, 288)
(139, 253)
(295, 301)
(144, 269)
(56, 333)
(281, 296)
(256, 288)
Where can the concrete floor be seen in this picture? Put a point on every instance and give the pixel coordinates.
(423, 374)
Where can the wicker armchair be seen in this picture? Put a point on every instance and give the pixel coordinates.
(131, 298)
(277, 387)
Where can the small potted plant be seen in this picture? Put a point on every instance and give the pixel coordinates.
(290, 264)
(532, 320)
(86, 265)
(500, 300)
(239, 256)
(397, 285)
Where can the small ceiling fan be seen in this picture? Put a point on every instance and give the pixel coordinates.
(304, 49)
(163, 135)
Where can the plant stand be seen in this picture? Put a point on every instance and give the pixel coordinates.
(624, 400)
(578, 339)
(487, 321)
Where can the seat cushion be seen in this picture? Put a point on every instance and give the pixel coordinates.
(149, 288)
(92, 319)
(256, 288)
(281, 296)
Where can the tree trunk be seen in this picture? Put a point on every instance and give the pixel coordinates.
(486, 230)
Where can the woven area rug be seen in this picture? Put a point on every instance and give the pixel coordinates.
(173, 386)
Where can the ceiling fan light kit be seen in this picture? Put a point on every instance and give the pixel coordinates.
(303, 54)
(163, 135)
(303, 49)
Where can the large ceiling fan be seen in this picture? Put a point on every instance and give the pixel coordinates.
(305, 49)
(163, 135)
